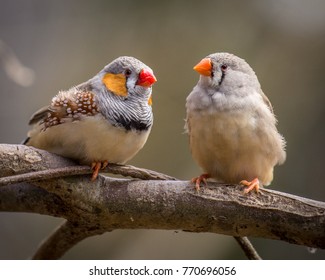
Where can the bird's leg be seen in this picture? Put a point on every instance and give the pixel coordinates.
(96, 166)
(202, 178)
(254, 184)
(104, 164)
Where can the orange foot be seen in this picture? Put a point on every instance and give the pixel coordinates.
(96, 166)
(255, 184)
(202, 178)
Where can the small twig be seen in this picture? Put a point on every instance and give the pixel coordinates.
(63, 238)
(124, 170)
(248, 248)
(135, 172)
(45, 175)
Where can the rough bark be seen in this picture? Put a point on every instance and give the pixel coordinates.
(92, 208)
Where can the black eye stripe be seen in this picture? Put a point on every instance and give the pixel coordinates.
(223, 68)
(212, 71)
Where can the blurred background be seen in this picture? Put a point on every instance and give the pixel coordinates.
(64, 43)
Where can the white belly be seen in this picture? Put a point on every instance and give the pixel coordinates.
(231, 147)
(89, 140)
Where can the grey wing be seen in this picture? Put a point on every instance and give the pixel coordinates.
(281, 143)
(66, 106)
(39, 115)
(266, 101)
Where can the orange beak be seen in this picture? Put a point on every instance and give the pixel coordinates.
(146, 78)
(204, 67)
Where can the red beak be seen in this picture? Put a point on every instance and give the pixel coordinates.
(146, 78)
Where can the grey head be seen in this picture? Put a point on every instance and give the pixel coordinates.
(123, 90)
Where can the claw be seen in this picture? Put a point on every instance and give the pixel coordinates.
(202, 178)
(104, 164)
(95, 167)
(254, 184)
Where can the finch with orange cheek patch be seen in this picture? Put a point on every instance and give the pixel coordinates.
(231, 124)
(104, 120)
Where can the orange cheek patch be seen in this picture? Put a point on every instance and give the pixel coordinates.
(150, 100)
(116, 83)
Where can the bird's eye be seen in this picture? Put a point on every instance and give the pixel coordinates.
(224, 67)
(128, 72)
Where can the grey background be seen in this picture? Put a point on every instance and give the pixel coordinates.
(67, 42)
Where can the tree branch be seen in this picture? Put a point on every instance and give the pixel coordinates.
(111, 203)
